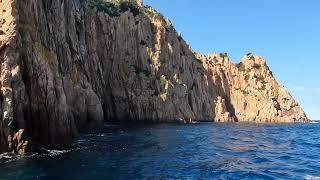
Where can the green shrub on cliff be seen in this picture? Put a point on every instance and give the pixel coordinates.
(153, 59)
(180, 82)
(250, 56)
(106, 7)
(139, 70)
(247, 77)
(163, 85)
(2, 32)
(244, 92)
(199, 60)
(256, 66)
(241, 67)
(263, 87)
(224, 55)
(116, 7)
(260, 79)
(132, 6)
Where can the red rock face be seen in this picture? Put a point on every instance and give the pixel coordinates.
(249, 92)
(68, 66)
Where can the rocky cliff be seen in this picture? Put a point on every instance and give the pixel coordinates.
(69, 65)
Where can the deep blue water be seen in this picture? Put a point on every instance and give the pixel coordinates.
(195, 151)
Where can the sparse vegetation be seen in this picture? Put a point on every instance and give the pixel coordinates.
(263, 87)
(263, 82)
(247, 77)
(153, 59)
(224, 55)
(139, 70)
(45, 54)
(241, 67)
(163, 85)
(260, 79)
(271, 73)
(249, 54)
(2, 32)
(129, 5)
(180, 82)
(198, 60)
(256, 66)
(116, 7)
(153, 13)
(245, 92)
(107, 7)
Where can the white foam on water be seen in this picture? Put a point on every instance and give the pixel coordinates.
(8, 157)
(310, 177)
(54, 152)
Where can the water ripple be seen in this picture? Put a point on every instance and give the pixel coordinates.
(197, 151)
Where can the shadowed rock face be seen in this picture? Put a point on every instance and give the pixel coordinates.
(67, 66)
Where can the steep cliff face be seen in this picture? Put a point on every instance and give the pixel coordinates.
(70, 65)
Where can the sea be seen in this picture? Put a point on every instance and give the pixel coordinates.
(172, 151)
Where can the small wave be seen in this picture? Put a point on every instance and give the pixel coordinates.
(8, 157)
(53, 152)
(309, 177)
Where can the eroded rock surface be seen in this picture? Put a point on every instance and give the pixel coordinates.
(71, 65)
(249, 92)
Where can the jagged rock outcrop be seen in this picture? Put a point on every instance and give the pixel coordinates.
(249, 90)
(71, 65)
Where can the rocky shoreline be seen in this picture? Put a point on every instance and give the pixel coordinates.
(68, 66)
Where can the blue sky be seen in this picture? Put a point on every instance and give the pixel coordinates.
(285, 32)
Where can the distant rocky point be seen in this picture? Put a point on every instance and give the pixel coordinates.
(68, 66)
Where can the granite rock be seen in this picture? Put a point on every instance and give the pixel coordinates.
(68, 66)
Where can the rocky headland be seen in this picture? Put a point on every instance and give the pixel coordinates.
(71, 65)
